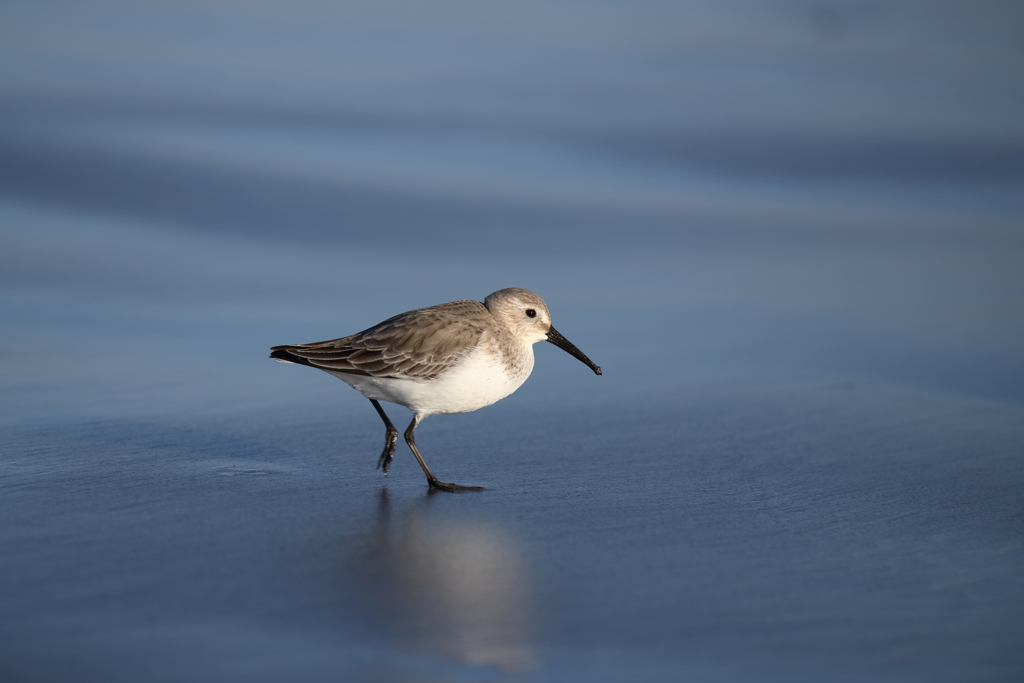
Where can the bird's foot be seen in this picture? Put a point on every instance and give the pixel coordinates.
(390, 441)
(453, 488)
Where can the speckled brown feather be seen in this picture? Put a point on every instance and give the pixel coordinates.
(418, 344)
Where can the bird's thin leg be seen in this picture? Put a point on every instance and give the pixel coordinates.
(431, 479)
(390, 440)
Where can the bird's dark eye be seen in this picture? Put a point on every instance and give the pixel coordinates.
(530, 313)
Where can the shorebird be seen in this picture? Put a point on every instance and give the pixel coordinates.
(451, 358)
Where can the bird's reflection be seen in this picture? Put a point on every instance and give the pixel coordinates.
(454, 588)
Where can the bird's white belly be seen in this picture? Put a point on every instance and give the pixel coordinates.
(480, 379)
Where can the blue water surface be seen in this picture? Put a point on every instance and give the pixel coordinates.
(790, 233)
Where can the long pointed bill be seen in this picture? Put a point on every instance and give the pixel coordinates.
(561, 342)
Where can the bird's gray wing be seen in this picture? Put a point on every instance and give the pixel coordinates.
(418, 344)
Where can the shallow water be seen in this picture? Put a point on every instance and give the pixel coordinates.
(791, 236)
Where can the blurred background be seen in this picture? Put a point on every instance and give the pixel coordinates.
(791, 232)
(774, 183)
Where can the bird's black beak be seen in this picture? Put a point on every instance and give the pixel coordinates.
(561, 342)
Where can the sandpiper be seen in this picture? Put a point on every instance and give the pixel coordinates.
(451, 358)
